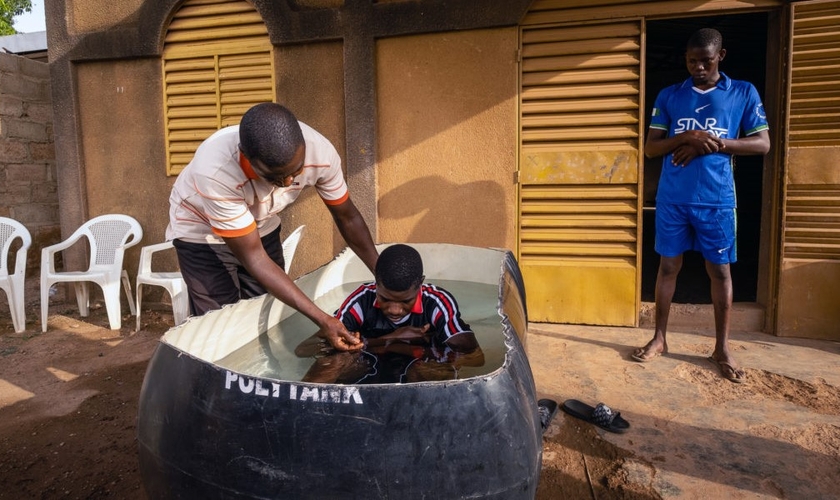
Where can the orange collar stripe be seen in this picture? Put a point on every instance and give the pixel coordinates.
(246, 167)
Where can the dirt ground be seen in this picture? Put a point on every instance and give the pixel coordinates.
(68, 404)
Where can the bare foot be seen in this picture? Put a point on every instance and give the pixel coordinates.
(650, 351)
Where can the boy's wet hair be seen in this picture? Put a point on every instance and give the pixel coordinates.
(399, 268)
(270, 133)
(704, 37)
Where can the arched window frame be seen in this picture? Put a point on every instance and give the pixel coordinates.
(217, 63)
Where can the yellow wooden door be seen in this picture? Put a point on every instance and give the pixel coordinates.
(809, 275)
(579, 172)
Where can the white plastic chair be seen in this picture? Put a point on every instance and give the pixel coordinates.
(108, 237)
(174, 283)
(13, 283)
(170, 280)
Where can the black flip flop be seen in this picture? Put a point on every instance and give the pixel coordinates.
(602, 415)
(547, 408)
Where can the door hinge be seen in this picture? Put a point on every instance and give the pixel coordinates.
(516, 177)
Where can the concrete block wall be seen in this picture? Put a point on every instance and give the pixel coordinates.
(28, 187)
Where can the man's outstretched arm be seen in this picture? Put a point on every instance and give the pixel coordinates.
(355, 232)
(250, 252)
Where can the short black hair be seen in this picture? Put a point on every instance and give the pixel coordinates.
(399, 268)
(704, 37)
(270, 133)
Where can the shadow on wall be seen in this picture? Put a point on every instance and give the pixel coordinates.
(442, 206)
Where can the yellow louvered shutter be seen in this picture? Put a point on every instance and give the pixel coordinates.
(579, 172)
(809, 282)
(217, 63)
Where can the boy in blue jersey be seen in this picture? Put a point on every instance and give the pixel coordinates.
(698, 126)
(411, 330)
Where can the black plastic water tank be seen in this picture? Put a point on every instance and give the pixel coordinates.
(205, 431)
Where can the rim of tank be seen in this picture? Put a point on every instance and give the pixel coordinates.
(199, 338)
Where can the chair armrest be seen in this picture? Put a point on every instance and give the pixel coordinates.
(146, 253)
(47, 260)
(64, 244)
(20, 261)
(135, 238)
(20, 255)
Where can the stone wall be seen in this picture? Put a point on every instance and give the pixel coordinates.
(28, 189)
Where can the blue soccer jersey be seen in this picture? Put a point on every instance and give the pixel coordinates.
(726, 110)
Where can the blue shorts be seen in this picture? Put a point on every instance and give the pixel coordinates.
(710, 231)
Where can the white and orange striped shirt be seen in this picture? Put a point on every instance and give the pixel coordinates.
(219, 195)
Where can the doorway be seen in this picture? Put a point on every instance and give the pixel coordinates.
(745, 38)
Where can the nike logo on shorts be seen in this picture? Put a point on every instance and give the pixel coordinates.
(723, 250)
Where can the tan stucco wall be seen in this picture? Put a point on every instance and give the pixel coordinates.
(446, 130)
(121, 134)
(310, 82)
(447, 134)
(99, 15)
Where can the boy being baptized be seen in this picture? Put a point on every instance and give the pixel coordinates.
(411, 331)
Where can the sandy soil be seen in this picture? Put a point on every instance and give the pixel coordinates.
(68, 404)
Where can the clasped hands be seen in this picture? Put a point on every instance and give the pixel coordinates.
(405, 335)
(343, 340)
(696, 143)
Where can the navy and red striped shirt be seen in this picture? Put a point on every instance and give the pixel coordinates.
(435, 306)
